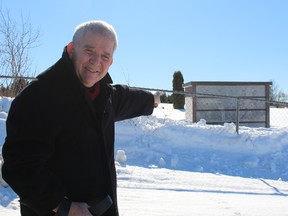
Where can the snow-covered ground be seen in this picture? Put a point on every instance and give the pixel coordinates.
(166, 166)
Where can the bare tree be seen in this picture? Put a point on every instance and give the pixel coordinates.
(274, 89)
(16, 40)
(277, 96)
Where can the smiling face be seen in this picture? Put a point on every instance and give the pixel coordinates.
(92, 56)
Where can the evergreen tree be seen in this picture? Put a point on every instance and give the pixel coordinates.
(178, 99)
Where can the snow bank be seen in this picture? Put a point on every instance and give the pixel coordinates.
(166, 140)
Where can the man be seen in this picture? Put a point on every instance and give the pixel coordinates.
(59, 149)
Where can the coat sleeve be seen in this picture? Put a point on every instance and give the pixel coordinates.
(130, 103)
(26, 153)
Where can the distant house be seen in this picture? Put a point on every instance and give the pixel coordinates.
(221, 102)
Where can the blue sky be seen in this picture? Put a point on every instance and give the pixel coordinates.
(207, 40)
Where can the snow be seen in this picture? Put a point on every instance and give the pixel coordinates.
(167, 166)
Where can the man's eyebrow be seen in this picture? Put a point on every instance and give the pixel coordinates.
(107, 53)
(88, 46)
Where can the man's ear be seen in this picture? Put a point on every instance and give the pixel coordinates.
(70, 48)
(111, 62)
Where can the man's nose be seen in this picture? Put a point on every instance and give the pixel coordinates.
(95, 59)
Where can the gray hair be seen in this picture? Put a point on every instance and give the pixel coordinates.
(96, 26)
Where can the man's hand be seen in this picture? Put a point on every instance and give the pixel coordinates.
(79, 209)
(157, 99)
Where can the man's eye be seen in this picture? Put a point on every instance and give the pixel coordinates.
(88, 51)
(106, 58)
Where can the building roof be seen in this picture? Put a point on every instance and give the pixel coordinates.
(224, 83)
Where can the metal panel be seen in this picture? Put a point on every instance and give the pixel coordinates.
(252, 100)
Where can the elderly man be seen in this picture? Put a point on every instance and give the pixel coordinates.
(59, 149)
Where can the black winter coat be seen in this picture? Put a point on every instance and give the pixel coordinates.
(61, 143)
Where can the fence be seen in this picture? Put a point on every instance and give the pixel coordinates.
(242, 111)
(269, 113)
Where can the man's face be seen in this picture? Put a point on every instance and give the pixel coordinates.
(92, 57)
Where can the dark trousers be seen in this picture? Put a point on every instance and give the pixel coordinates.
(26, 211)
